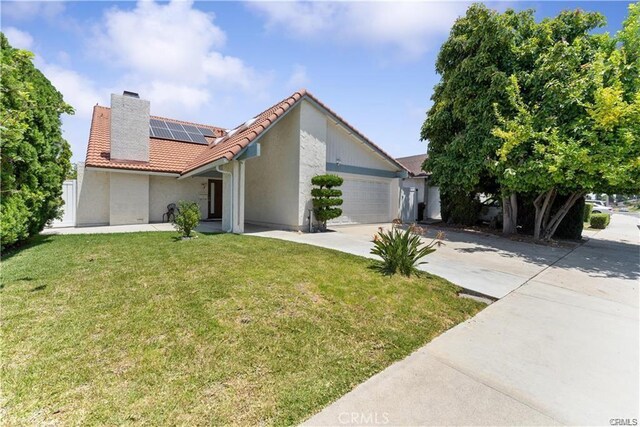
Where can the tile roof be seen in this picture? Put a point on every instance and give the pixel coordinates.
(414, 164)
(181, 157)
(229, 148)
(164, 155)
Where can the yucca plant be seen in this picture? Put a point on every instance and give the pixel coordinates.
(401, 250)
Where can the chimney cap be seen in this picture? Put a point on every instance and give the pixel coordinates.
(131, 94)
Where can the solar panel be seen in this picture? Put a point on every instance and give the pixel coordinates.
(158, 123)
(206, 131)
(175, 126)
(191, 129)
(196, 137)
(161, 133)
(180, 136)
(178, 132)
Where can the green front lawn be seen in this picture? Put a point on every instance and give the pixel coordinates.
(144, 328)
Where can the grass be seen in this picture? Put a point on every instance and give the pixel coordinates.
(142, 328)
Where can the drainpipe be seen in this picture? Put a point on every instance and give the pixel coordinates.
(230, 230)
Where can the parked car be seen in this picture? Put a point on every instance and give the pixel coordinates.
(599, 207)
(491, 212)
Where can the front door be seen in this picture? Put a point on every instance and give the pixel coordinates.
(215, 199)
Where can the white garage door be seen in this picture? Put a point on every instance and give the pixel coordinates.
(366, 201)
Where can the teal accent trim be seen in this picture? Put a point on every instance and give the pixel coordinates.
(252, 150)
(358, 170)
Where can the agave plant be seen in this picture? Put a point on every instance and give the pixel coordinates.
(401, 250)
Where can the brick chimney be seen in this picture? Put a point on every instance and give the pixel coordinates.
(129, 127)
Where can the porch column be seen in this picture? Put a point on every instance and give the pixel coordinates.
(238, 196)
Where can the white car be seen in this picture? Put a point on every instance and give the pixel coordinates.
(599, 207)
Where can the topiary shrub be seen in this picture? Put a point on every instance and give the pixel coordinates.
(599, 221)
(401, 250)
(326, 198)
(588, 210)
(187, 217)
(572, 224)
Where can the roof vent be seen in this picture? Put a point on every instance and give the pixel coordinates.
(131, 94)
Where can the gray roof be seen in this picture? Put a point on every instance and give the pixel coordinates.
(414, 164)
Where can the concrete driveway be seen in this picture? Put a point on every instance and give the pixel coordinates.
(562, 348)
(483, 263)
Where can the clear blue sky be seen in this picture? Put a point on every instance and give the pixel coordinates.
(221, 63)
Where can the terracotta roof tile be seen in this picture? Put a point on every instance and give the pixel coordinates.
(414, 164)
(230, 147)
(164, 155)
(181, 157)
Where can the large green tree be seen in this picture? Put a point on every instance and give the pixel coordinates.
(576, 121)
(543, 108)
(475, 63)
(35, 158)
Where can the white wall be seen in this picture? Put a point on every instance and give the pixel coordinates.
(418, 183)
(164, 190)
(128, 198)
(313, 137)
(432, 210)
(129, 128)
(272, 179)
(350, 150)
(93, 197)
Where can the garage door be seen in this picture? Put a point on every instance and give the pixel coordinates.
(366, 201)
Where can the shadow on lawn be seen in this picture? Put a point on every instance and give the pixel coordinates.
(29, 243)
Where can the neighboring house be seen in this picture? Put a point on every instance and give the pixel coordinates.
(419, 180)
(260, 172)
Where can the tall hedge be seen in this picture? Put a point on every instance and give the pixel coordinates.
(35, 157)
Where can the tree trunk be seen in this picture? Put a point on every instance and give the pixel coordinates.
(510, 214)
(543, 204)
(544, 225)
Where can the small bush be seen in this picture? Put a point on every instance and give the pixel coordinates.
(588, 210)
(401, 250)
(187, 217)
(599, 221)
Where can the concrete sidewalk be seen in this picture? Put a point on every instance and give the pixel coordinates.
(487, 264)
(561, 349)
(203, 227)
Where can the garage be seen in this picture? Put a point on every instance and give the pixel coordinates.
(367, 200)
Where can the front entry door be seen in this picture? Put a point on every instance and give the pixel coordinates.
(215, 199)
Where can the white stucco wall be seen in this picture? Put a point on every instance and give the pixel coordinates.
(418, 183)
(272, 179)
(128, 198)
(432, 209)
(347, 149)
(129, 128)
(164, 190)
(93, 197)
(313, 153)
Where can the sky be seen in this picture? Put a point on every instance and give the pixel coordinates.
(221, 63)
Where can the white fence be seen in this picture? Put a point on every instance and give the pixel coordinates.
(69, 196)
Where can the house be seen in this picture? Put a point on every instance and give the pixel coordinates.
(259, 172)
(419, 180)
